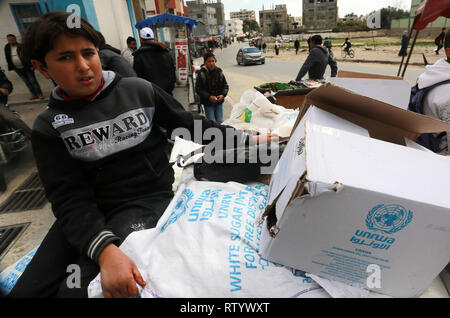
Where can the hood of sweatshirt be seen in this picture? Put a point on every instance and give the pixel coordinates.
(322, 48)
(438, 72)
(110, 79)
(153, 46)
(109, 47)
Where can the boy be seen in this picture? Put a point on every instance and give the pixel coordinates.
(212, 87)
(99, 149)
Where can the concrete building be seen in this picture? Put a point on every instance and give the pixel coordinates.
(295, 24)
(267, 19)
(320, 14)
(155, 7)
(202, 10)
(234, 27)
(220, 11)
(432, 29)
(114, 18)
(243, 14)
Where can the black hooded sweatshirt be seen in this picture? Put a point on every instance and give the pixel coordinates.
(154, 63)
(94, 156)
(316, 63)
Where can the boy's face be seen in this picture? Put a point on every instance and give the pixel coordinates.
(11, 40)
(74, 64)
(132, 45)
(211, 63)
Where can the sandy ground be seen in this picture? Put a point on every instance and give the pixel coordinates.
(364, 50)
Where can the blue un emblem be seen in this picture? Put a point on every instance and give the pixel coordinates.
(388, 218)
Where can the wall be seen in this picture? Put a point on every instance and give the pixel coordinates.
(8, 25)
(114, 21)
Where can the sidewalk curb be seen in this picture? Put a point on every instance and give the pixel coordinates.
(379, 62)
(28, 102)
(369, 61)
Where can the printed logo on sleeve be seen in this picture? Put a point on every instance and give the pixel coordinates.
(62, 120)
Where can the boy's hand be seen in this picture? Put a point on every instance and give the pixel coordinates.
(119, 274)
(220, 98)
(213, 99)
(265, 138)
(4, 91)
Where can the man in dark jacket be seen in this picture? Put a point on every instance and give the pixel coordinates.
(154, 63)
(439, 41)
(23, 69)
(112, 60)
(212, 87)
(317, 61)
(403, 49)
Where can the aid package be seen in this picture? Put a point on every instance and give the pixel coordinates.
(206, 245)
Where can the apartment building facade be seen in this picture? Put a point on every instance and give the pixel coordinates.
(320, 14)
(269, 17)
(243, 14)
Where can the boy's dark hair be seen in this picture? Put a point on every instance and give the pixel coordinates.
(316, 39)
(130, 39)
(208, 55)
(41, 35)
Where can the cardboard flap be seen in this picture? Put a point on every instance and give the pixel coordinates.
(348, 74)
(392, 92)
(366, 112)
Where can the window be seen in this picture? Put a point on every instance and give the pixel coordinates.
(251, 50)
(25, 14)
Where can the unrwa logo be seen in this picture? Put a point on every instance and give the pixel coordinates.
(388, 218)
(180, 208)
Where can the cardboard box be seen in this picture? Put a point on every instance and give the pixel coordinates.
(389, 89)
(352, 190)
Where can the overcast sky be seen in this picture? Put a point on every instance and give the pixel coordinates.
(294, 7)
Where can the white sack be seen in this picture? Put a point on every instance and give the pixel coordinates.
(205, 245)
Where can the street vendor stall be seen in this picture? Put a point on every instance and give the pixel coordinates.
(176, 31)
(427, 12)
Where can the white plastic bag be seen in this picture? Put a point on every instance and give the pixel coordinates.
(206, 244)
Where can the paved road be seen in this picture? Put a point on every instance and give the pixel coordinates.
(241, 78)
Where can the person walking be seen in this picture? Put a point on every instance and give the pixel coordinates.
(296, 46)
(154, 63)
(317, 61)
(131, 48)
(403, 49)
(23, 69)
(264, 47)
(277, 47)
(327, 43)
(439, 41)
(112, 60)
(212, 87)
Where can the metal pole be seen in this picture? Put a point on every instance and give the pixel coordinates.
(413, 44)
